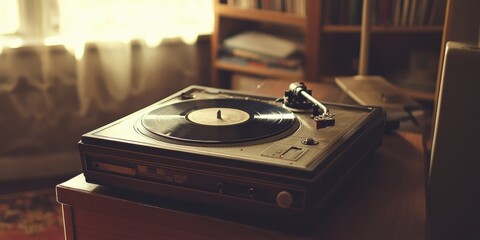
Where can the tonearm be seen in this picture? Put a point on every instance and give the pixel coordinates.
(298, 97)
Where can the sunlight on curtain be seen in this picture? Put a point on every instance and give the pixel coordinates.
(8, 17)
(111, 25)
(125, 20)
(9, 21)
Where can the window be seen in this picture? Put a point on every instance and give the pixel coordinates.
(9, 19)
(27, 22)
(56, 21)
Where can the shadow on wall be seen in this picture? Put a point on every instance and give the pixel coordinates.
(48, 99)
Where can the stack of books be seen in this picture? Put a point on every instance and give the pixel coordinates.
(387, 12)
(262, 50)
(294, 7)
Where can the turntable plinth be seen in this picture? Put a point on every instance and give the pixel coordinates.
(386, 201)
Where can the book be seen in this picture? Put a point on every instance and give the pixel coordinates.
(405, 12)
(384, 8)
(355, 17)
(397, 12)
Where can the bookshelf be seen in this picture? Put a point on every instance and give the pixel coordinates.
(331, 46)
(230, 20)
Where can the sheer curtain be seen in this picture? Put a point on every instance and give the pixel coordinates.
(112, 25)
(68, 66)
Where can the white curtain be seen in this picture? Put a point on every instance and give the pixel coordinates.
(116, 52)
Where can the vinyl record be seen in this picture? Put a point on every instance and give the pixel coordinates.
(219, 121)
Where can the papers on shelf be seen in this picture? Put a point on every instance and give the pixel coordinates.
(261, 43)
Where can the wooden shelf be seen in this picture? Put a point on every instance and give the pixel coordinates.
(230, 20)
(262, 71)
(260, 15)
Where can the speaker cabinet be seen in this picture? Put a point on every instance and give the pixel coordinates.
(453, 188)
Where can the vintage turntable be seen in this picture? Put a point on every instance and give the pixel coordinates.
(231, 150)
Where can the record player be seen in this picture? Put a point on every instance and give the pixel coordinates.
(235, 151)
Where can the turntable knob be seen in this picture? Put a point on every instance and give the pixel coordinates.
(284, 199)
(251, 193)
(309, 141)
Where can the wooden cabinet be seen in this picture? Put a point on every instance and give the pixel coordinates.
(331, 48)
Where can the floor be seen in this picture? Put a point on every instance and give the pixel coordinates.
(29, 210)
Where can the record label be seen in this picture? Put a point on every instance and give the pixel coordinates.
(218, 116)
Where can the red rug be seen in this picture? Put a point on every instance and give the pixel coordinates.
(34, 215)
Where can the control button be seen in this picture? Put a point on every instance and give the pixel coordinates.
(284, 199)
(293, 153)
(309, 141)
(186, 96)
(251, 193)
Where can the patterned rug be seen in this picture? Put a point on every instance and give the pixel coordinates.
(34, 215)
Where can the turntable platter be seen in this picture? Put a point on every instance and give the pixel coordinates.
(218, 121)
